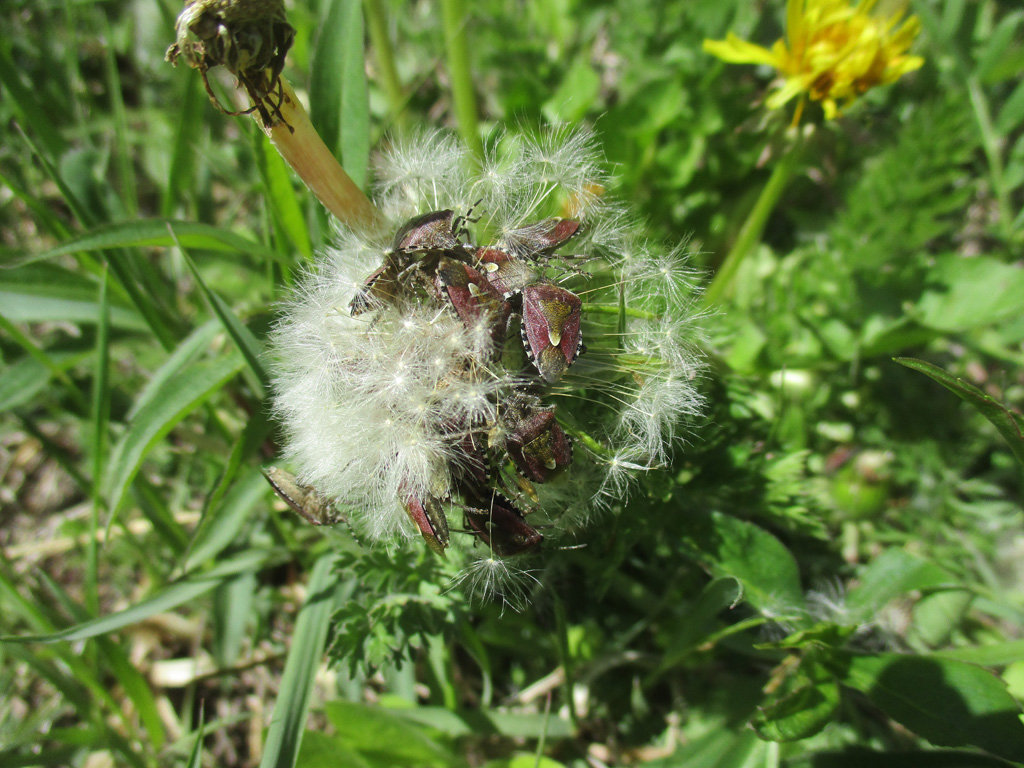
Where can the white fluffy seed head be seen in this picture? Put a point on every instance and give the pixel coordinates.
(377, 407)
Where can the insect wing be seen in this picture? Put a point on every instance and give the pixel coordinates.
(473, 297)
(304, 500)
(429, 232)
(538, 445)
(551, 328)
(430, 519)
(505, 272)
(541, 238)
(503, 528)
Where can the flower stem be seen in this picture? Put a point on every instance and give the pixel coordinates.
(377, 24)
(300, 145)
(454, 17)
(752, 229)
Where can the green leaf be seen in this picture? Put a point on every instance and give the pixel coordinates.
(967, 293)
(857, 757)
(803, 705)
(893, 573)
(1009, 423)
(322, 751)
(950, 703)
(21, 382)
(284, 736)
(175, 399)
(248, 344)
(173, 595)
(284, 203)
(150, 233)
(995, 655)
(225, 521)
(519, 725)
(380, 734)
(729, 547)
(339, 106)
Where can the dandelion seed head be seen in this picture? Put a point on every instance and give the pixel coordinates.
(395, 391)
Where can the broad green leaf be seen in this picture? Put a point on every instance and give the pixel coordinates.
(728, 547)
(456, 723)
(152, 233)
(995, 655)
(966, 293)
(893, 573)
(173, 595)
(175, 399)
(524, 761)
(950, 703)
(801, 707)
(859, 757)
(380, 734)
(1009, 423)
(320, 750)
(284, 736)
(695, 629)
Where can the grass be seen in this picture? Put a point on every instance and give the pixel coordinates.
(830, 571)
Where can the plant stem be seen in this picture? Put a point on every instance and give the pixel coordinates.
(300, 145)
(752, 229)
(377, 24)
(454, 15)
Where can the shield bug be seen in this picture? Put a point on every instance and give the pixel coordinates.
(541, 238)
(473, 297)
(502, 527)
(508, 274)
(428, 232)
(551, 328)
(533, 438)
(304, 500)
(430, 519)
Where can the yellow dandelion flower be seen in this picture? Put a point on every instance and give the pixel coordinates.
(834, 51)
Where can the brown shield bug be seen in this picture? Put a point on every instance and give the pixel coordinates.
(473, 297)
(429, 232)
(508, 274)
(304, 500)
(551, 328)
(541, 238)
(502, 527)
(533, 438)
(430, 519)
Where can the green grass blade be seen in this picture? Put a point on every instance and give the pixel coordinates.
(223, 522)
(21, 382)
(172, 596)
(40, 356)
(248, 344)
(339, 105)
(148, 233)
(184, 355)
(29, 110)
(100, 420)
(183, 157)
(122, 146)
(174, 400)
(284, 736)
(1009, 423)
(355, 100)
(284, 202)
